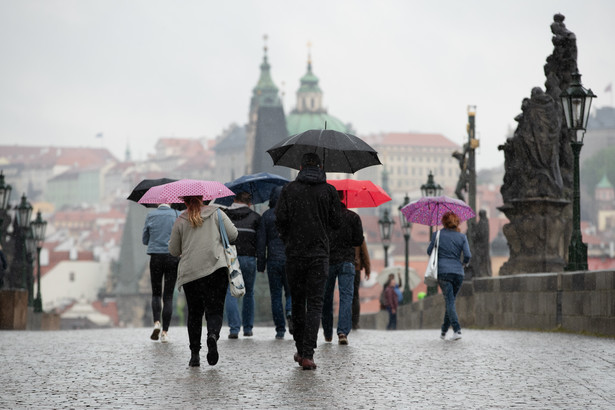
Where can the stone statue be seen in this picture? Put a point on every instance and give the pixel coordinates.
(538, 166)
(480, 264)
(464, 174)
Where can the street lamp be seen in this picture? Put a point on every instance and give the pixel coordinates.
(23, 214)
(431, 189)
(576, 102)
(5, 196)
(406, 227)
(38, 229)
(385, 233)
(30, 249)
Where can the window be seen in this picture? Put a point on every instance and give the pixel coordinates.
(71, 276)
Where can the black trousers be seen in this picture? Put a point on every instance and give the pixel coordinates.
(205, 296)
(306, 278)
(163, 269)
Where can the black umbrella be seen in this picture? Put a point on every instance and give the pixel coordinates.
(143, 186)
(339, 152)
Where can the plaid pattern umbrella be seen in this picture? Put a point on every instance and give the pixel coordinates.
(174, 192)
(430, 209)
(360, 193)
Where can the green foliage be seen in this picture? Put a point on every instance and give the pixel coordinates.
(596, 166)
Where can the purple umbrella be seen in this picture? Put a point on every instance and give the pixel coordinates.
(430, 209)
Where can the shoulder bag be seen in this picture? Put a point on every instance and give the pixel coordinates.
(235, 278)
(431, 274)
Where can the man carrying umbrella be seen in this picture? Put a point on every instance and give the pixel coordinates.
(341, 267)
(307, 209)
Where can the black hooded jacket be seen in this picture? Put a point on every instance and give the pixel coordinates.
(269, 244)
(246, 221)
(308, 207)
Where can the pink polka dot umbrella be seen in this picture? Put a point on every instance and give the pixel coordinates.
(429, 210)
(173, 193)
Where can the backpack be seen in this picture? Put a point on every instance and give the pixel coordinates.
(383, 299)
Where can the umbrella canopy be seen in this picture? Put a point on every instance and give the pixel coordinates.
(429, 210)
(339, 152)
(360, 194)
(143, 186)
(175, 191)
(399, 273)
(258, 185)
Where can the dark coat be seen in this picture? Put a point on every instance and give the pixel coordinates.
(247, 222)
(346, 237)
(308, 207)
(269, 244)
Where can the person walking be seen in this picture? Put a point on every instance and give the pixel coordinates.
(202, 271)
(391, 303)
(307, 209)
(270, 255)
(361, 262)
(450, 268)
(247, 222)
(342, 242)
(162, 267)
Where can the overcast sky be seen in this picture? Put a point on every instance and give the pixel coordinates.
(140, 70)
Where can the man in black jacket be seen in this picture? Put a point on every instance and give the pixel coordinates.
(307, 209)
(246, 221)
(341, 267)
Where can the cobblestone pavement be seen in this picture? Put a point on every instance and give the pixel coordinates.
(122, 368)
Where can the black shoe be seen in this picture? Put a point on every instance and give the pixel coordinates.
(195, 360)
(289, 318)
(247, 334)
(233, 336)
(212, 351)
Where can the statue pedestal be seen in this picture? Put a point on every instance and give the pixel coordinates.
(537, 235)
(13, 309)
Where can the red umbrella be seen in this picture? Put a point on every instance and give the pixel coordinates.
(174, 192)
(360, 194)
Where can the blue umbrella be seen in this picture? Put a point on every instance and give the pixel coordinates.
(258, 185)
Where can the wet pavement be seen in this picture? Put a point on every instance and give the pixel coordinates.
(122, 368)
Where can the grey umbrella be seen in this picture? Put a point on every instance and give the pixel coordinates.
(339, 152)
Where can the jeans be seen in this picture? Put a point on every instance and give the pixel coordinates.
(248, 271)
(205, 296)
(450, 283)
(276, 272)
(392, 325)
(356, 301)
(344, 273)
(163, 267)
(306, 277)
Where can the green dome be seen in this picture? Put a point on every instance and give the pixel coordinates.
(297, 122)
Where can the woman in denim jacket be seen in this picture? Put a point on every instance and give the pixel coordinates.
(450, 268)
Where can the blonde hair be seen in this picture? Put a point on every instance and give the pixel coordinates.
(450, 220)
(194, 203)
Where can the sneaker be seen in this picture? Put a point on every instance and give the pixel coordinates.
(443, 335)
(279, 335)
(212, 351)
(342, 339)
(156, 331)
(233, 336)
(164, 338)
(456, 336)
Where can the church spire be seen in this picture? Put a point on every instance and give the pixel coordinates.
(265, 92)
(309, 95)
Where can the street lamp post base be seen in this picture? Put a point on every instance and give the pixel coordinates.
(38, 305)
(577, 255)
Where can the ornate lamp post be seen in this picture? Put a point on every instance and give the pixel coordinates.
(5, 196)
(30, 249)
(38, 229)
(576, 102)
(431, 189)
(406, 228)
(386, 224)
(23, 214)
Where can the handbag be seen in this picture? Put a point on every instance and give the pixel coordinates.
(431, 274)
(235, 278)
